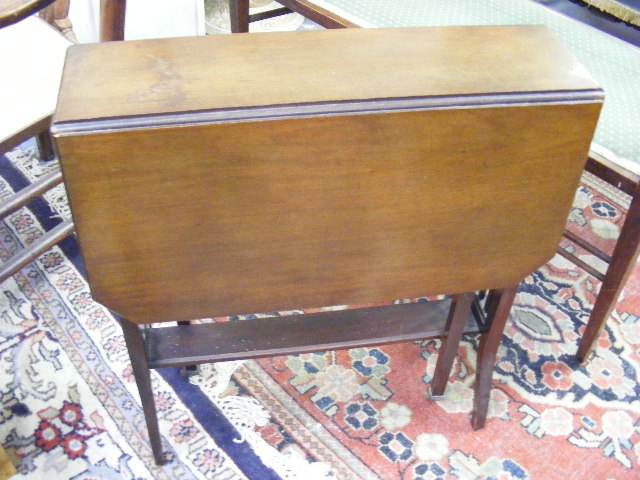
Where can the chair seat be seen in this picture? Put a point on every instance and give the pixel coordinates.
(32, 54)
(614, 63)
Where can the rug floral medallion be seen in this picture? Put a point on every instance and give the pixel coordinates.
(70, 408)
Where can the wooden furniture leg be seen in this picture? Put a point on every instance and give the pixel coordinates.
(487, 351)
(621, 265)
(493, 298)
(45, 146)
(112, 18)
(135, 345)
(458, 315)
(57, 15)
(239, 13)
(187, 370)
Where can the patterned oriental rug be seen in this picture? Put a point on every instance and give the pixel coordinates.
(70, 409)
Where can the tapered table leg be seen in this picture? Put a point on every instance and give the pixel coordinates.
(458, 315)
(135, 344)
(622, 263)
(489, 344)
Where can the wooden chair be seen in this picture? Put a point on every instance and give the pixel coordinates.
(241, 18)
(112, 16)
(57, 15)
(603, 163)
(16, 10)
(195, 195)
(28, 91)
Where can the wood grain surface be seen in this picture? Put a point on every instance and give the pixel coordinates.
(264, 216)
(190, 220)
(220, 72)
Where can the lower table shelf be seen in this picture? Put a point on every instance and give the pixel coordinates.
(293, 334)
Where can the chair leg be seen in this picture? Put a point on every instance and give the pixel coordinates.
(187, 370)
(57, 15)
(239, 13)
(493, 298)
(112, 20)
(489, 343)
(45, 146)
(135, 344)
(622, 262)
(458, 315)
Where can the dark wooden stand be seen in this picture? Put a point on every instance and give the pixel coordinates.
(188, 345)
(306, 170)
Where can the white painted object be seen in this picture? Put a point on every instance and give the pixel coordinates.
(32, 54)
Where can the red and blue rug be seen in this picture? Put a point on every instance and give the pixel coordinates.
(70, 409)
